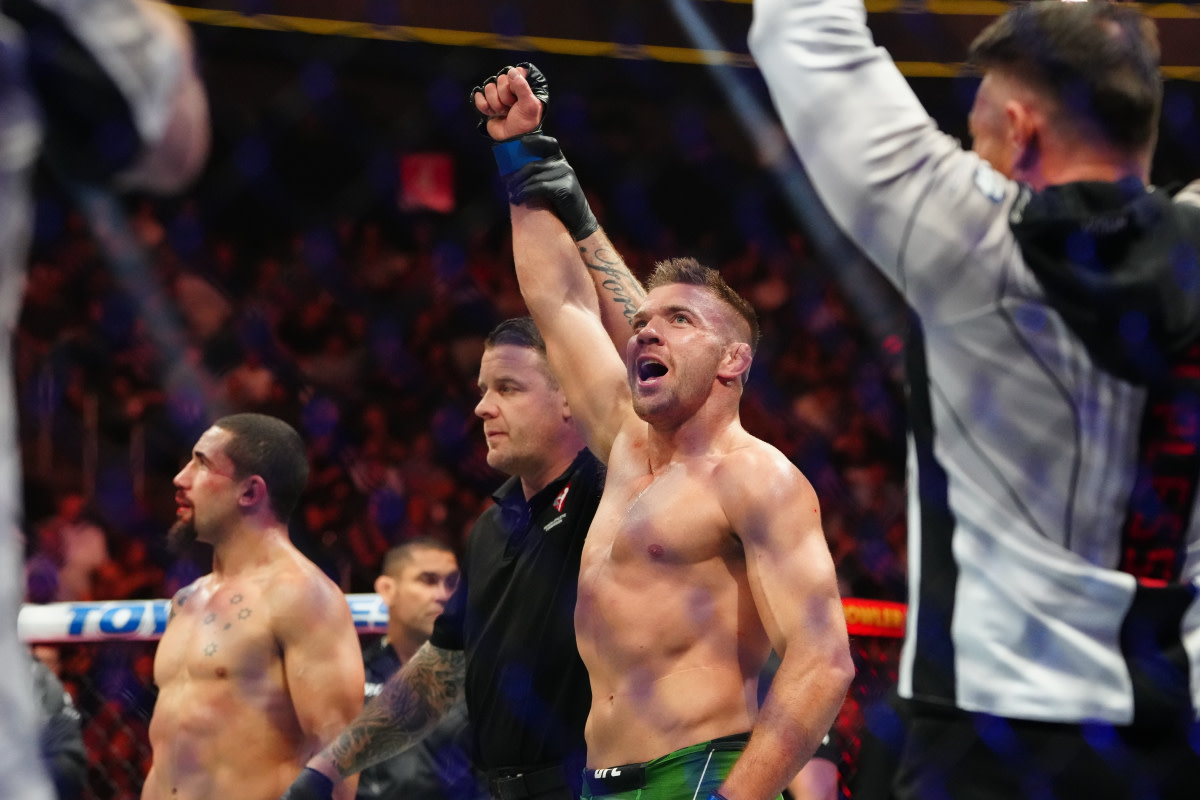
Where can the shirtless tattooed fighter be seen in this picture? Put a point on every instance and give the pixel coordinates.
(259, 667)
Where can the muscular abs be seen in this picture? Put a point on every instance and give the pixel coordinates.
(665, 620)
(223, 723)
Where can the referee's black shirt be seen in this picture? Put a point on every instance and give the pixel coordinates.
(513, 615)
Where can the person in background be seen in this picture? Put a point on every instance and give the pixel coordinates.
(77, 544)
(108, 91)
(60, 735)
(416, 581)
(1054, 385)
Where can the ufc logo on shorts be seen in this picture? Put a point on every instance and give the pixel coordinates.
(608, 772)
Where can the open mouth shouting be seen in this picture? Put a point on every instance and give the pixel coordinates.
(649, 370)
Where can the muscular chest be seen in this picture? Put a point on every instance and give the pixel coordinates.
(669, 519)
(217, 635)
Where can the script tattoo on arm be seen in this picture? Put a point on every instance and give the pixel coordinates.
(410, 704)
(618, 282)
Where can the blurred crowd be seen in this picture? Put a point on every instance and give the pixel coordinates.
(369, 343)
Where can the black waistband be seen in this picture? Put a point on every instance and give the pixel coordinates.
(734, 741)
(628, 777)
(520, 783)
(611, 780)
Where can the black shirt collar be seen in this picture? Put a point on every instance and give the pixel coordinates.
(515, 512)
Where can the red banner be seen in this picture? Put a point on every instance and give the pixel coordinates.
(874, 617)
(427, 182)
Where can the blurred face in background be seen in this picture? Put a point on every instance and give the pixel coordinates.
(416, 590)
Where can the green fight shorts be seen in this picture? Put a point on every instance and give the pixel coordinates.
(686, 774)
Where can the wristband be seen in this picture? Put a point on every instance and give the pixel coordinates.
(511, 155)
(532, 167)
(310, 785)
(716, 796)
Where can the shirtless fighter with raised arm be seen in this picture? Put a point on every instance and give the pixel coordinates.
(707, 548)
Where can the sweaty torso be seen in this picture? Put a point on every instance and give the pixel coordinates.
(223, 726)
(665, 620)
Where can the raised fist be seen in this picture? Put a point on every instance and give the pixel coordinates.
(512, 102)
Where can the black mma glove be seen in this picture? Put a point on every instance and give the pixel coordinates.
(533, 167)
(309, 785)
(537, 82)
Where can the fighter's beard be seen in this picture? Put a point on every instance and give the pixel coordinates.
(181, 536)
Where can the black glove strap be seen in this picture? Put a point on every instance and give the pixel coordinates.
(309, 785)
(532, 166)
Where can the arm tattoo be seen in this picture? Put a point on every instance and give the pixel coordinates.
(618, 282)
(412, 701)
